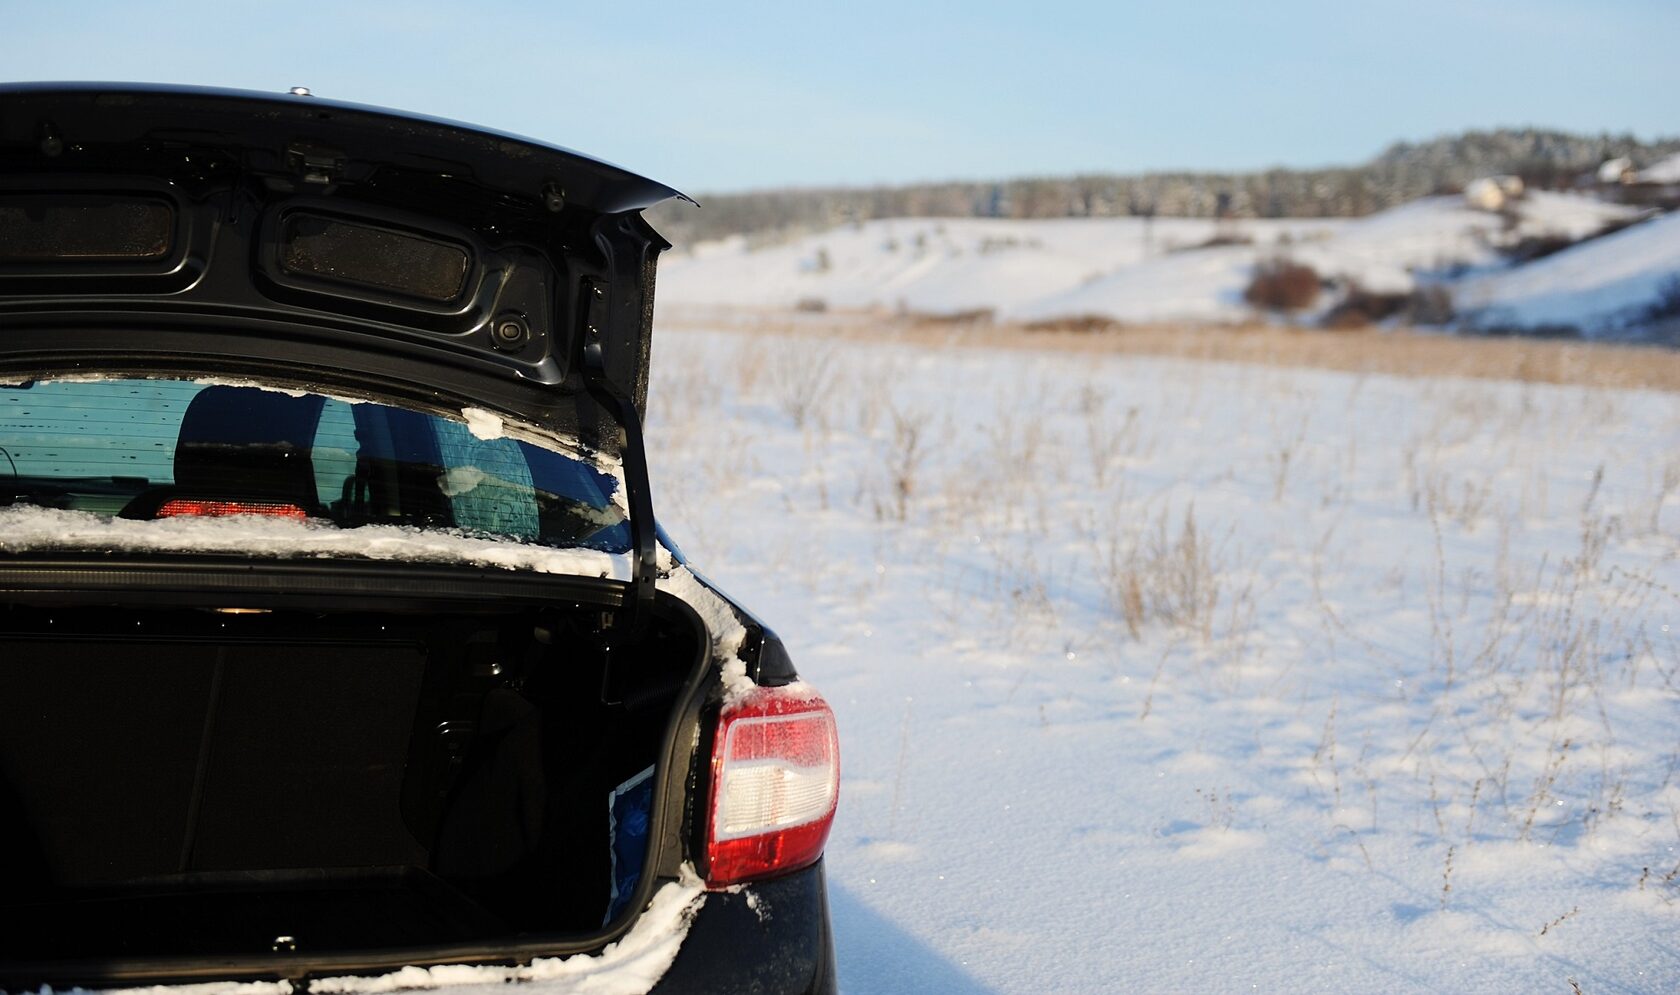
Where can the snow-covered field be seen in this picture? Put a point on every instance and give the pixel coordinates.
(1017, 268)
(1165, 270)
(1163, 675)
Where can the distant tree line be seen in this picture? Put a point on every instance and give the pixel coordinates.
(1402, 172)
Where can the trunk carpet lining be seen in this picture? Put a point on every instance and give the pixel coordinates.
(142, 758)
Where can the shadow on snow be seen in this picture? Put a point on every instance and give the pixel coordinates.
(875, 955)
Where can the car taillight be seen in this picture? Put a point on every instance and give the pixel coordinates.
(775, 784)
(185, 508)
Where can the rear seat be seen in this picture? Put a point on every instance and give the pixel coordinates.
(242, 444)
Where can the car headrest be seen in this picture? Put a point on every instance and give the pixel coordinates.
(245, 442)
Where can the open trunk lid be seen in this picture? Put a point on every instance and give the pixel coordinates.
(316, 211)
(152, 230)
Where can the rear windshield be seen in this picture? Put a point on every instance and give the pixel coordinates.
(145, 449)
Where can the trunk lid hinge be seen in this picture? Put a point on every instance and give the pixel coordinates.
(644, 568)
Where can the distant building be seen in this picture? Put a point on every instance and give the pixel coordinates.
(1656, 187)
(1662, 171)
(1617, 170)
(1492, 193)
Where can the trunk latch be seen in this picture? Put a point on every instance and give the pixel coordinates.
(314, 164)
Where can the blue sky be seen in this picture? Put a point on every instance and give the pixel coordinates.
(729, 95)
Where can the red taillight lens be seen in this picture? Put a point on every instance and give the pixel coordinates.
(185, 508)
(775, 783)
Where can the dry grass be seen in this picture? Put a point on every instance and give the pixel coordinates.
(1170, 573)
(1393, 352)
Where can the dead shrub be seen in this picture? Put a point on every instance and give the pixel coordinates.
(908, 450)
(1081, 323)
(991, 244)
(1532, 247)
(1500, 330)
(1429, 305)
(1216, 241)
(1171, 575)
(969, 316)
(1667, 304)
(1282, 285)
(1360, 307)
(801, 377)
(1340, 319)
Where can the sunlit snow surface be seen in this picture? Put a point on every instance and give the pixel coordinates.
(1350, 775)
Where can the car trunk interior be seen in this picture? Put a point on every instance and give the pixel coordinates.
(221, 783)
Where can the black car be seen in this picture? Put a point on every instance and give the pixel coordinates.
(337, 636)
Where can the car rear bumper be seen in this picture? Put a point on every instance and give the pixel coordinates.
(771, 936)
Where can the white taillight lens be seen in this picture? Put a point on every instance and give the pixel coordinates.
(775, 784)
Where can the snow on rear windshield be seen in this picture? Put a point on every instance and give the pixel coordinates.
(151, 449)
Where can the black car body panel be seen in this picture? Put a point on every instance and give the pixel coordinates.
(356, 252)
(136, 112)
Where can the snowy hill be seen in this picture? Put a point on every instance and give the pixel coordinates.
(1179, 269)
(1604, 287)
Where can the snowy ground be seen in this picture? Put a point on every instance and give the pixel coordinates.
(1017, 268)
(1161, 675)
(1165, 270)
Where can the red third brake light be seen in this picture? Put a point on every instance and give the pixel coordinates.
(775, 783)
(185, 508)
